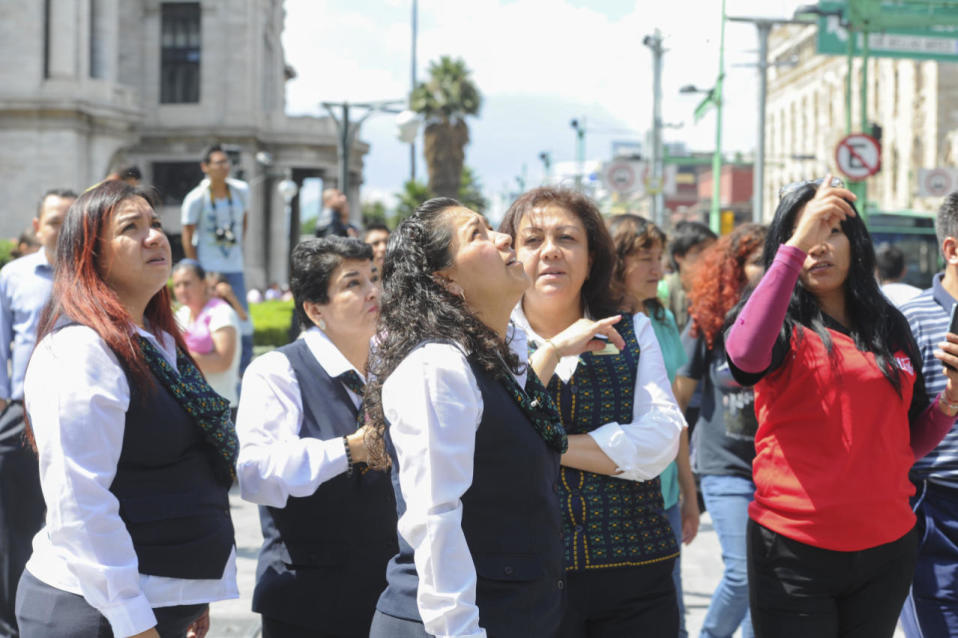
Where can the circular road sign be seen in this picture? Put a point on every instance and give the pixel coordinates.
(937, 182)
(858, 156)
(620, 177)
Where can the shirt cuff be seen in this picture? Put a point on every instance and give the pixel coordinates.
(792, 257)
(481, 634)
(331, 452)
(130, 617)
(613, 440)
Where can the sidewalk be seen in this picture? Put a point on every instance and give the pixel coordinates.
(701, 571)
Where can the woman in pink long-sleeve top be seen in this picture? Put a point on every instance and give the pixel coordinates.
(842, 415)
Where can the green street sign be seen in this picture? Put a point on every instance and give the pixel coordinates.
(918, 30)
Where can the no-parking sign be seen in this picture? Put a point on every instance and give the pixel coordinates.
(858, 156)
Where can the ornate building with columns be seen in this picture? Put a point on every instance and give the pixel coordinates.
(88, 86)
(914, 102)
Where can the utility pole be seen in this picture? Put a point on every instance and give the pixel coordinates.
(415, 28)
(714, 213)
(654, 42)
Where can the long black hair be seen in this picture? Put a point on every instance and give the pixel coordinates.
(876, 325)
(416, 307)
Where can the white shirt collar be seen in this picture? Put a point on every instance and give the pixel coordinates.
(166, 344)
(567, 364)
(328, 355)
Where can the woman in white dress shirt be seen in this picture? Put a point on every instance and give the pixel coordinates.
(136, 451)
(473, 439)
(618, 409)
(329, 526)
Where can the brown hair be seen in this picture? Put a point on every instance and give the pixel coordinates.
(596, 293)
(631, 233)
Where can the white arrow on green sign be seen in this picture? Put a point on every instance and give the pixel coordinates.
(938, 41)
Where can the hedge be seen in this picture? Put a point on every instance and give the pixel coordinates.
(271, 322)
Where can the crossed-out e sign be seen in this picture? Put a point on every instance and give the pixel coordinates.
(858, 156)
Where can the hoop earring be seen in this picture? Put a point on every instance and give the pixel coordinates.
(322, 325)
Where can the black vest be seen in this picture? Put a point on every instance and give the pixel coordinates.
(176, 512)
(511, 521)
(323, 560)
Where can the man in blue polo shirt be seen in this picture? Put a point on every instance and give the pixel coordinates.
(932, 605)
(25, 286)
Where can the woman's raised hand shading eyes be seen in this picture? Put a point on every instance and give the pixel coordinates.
(824, 213)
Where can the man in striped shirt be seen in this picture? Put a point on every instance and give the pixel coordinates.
(932, 605)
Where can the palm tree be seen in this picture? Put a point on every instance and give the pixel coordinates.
(444, 101)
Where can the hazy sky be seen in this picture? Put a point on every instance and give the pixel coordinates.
(538, 64)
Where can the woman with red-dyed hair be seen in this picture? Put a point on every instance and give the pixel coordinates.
(723, 438)
(136, 450)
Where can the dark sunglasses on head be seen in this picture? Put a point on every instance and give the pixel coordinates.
(794, 186)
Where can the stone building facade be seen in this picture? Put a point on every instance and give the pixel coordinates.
(915, 104)
(88, 86)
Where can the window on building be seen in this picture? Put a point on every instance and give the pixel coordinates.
(98, 51)
(180, 53)
(175, 179)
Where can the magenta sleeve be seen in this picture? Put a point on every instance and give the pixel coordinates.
(929, 430)
(750, 340)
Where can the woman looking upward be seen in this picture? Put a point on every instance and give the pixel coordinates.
(473, 438)
(137, 452)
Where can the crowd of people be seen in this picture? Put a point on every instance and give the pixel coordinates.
(477, 432)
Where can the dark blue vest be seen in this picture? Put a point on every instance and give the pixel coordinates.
(323, 560)
(511, 521)
(176, 512)
(607, 521)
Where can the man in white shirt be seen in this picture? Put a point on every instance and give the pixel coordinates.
(25, 286)
(214, 216)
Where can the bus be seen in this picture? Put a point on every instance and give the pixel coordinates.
(914, 233)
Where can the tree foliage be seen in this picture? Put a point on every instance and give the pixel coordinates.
(415, 193)
(444, 101)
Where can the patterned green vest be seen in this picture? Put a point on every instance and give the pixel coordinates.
(608, 522)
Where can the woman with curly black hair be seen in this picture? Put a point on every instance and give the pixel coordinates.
(473, 438)
(842, 416)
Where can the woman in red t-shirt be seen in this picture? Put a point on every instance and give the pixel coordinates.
(842, 416)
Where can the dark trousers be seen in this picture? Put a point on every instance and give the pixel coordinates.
(274, 628)
(797, 590)
(386, 626)
(21, 511)
(47, 612)
(932, 605)
(621, 603)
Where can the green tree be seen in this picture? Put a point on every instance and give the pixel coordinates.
(413, 194)
(470, 191)
(444, 101)
(373, 213)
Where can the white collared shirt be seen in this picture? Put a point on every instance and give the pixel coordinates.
(643, 448)
(434, 407)
(77, 396)
(274, 462)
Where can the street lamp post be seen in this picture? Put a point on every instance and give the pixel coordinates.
(654, 42)
(546, 158)
(579, 128)
(348, 130)
(763, 27)
(287, 189)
